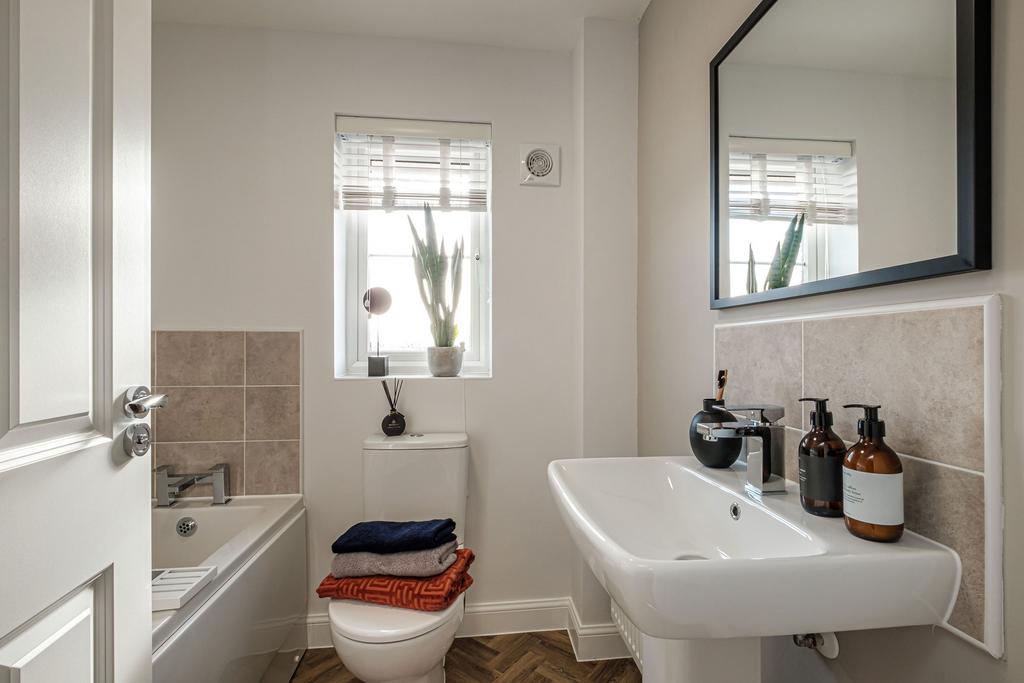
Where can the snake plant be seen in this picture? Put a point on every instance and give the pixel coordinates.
(433, 267)
(786, 253)
(751, 276)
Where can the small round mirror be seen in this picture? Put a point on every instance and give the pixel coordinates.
(377, 300)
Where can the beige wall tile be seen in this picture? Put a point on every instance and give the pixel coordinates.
(924, 368)
(192, 458)
(793, 437)
(764, 364)
(211, 413)
(200, 414)
(272, 358)
(271, 413)
(948, 505)
(272, 467)
(198, 358)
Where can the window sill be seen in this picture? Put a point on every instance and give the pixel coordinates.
(407, 370)
(406, 375)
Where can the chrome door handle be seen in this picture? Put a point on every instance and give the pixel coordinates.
(138, 401)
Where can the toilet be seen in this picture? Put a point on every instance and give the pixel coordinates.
(408, 477)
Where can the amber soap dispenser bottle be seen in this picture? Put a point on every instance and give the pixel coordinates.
(821, 454)
(872, 482)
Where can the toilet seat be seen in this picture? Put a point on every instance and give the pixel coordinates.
(368, 623)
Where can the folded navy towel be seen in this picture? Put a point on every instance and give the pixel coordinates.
(395, 537)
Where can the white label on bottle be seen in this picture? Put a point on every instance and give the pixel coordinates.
(873, 498)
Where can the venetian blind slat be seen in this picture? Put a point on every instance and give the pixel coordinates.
(387, 172)
(767, 183)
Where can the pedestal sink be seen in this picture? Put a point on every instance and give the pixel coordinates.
(703, 570)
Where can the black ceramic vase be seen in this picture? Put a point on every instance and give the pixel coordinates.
(718, 454)
(393, 424)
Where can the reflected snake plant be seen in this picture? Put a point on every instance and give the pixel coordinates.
(433, 267)
(786, 253)
(751, 275)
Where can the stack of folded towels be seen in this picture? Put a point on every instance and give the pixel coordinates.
(416, 565)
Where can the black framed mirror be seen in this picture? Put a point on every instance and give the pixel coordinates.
(850, 147)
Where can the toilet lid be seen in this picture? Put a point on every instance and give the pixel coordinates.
(369, 623)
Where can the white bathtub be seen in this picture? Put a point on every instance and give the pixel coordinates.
(241, 627)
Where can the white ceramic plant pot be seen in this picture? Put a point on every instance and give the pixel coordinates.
(444, 361)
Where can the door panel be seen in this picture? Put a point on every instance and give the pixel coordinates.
(53, 232)
(56, 53)
(74, 334)
(65, 644)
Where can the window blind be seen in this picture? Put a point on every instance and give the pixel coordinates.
(403, 171)
(767, 181)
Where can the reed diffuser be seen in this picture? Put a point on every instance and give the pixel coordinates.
(717, 454)
(394, 422)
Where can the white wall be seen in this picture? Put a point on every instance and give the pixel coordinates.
(677, 41)
(904, 130)
(605, 64)
(243, 136)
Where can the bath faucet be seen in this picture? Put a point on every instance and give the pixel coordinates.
(170, 486)
(765, 474)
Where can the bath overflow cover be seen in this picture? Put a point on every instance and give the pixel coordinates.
(187, 526)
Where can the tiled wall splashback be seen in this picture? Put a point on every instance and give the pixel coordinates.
(235, 399)
(926, 369)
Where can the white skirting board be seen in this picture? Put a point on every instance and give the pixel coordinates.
(514, 616)
(318, 631)
(590, 641)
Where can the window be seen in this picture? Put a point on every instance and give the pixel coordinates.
(770, 181)
(385, 171)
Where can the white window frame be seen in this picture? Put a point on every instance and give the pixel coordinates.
(351, 259)
(350, 231)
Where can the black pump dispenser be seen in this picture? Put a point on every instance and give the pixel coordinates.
(820, 416)
(869, 426)
(820, 456)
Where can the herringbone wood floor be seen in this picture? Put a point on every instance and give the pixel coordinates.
(520, 657)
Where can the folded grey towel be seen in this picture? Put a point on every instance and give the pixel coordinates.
(418, 563)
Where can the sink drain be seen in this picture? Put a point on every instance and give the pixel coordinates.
(734, 510)
(186, 526)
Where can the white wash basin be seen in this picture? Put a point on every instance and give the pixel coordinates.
(643, 523)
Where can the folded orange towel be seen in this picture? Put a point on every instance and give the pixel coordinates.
(431, 594)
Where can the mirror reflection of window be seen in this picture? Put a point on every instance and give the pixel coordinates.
(773, 180)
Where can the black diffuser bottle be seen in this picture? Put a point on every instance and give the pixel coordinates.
(724, 452)
(393, 423)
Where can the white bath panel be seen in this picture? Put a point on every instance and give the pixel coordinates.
(172, 588)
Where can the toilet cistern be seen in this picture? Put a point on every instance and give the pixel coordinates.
(766, 475)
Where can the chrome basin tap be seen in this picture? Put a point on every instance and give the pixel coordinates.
(170, 486)
(766, 473)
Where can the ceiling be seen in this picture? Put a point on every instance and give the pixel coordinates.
(534, 24)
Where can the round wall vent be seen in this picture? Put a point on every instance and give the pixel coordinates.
(538, 164)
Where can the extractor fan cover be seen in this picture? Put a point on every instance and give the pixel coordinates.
(539, 165)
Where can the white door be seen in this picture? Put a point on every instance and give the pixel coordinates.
(74, 334)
